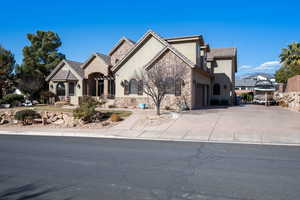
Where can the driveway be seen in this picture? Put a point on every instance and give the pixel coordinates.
(249, 123)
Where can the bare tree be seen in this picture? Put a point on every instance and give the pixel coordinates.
(162, 79)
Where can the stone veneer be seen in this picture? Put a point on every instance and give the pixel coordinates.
(291, 100)
(169, 60)
(121, 51)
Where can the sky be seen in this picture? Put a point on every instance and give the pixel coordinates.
(259, 29)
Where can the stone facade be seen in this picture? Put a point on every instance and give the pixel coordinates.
(169, 60)
(120, 52)
(291, 100)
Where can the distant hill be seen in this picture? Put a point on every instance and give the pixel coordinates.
(253, 75)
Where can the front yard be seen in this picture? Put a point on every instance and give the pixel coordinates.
(53, 116)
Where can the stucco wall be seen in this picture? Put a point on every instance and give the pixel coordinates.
(95, 65)
(293, 84)
(224, 75)
(199, 78)
(136, 63)
(188, 49)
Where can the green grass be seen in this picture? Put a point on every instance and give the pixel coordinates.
(121, 113)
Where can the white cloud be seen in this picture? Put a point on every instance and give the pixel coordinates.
(268, 67)
(245, 67)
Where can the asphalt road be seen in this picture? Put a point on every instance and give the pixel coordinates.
(88, 168)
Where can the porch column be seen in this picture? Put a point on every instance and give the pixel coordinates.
(87, 82)
(67, 88)
(97, 88)
(105, 92)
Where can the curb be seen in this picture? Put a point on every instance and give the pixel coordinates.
(93, 135)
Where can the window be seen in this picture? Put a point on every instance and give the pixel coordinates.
(216, 89)
(170, 85)
(60, 89)
(72, 89)
(133, 86)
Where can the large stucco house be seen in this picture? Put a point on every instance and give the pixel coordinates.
(210, 72)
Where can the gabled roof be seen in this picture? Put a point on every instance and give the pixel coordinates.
(75, 66)
(245, 83)
(64, 75)
(215, 53)
(123, 39)
(186, 39)
(183, 58)
(106, 59)
(164, 42)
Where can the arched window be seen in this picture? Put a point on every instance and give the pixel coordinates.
(216, 89)
(60, 89)
(170, 85)
(133, 86)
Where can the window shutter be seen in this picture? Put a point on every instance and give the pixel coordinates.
(126, 88)
(140, 87)
(178, 87)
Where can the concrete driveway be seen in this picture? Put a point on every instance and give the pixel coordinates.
(249, 123)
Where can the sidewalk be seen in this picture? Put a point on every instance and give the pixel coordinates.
(254, 125)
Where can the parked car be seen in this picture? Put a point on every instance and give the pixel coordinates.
(27, 103)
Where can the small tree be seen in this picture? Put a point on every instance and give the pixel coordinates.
(161, 79)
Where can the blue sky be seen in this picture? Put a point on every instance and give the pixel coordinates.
(259, 29)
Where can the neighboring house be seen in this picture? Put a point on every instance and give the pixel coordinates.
(244, 85)
(263, 91)
(210, 73)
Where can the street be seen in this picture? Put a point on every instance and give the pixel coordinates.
(37, 167)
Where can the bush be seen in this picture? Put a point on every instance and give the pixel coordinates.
(46, 96)
(86, 111)
(12, 99)
(167, 108)
(26, 116)
(214, 102)
(115, 117)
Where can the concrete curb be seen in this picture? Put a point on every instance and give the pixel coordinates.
(115, 136)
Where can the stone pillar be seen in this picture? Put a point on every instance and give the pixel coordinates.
(67, 88)
(97, 88)
(105, 88)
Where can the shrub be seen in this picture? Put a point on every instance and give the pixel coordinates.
(26, 116)
(12, 99)
(167, 108)
(86, 111)
(214, 102)
(47, 95)
(115, 117)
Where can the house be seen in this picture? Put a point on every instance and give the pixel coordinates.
(244, 86)
(252, 83)
(210, 72)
